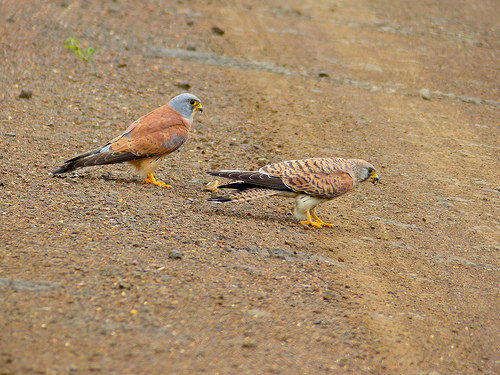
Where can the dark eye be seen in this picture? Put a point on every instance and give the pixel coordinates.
(192, 102)
(370, 170)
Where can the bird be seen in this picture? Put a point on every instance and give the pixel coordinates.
(310, 181)
(146, 141)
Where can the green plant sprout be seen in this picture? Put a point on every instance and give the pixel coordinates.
(83, 53)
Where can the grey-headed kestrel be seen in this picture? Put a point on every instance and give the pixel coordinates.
(309, 181)
(146, 141)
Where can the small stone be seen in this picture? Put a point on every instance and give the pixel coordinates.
(323, 74)
(261, 161)
(329, 295)
(175, 254)
(425, 94)
(217, 30)
(124, 285)
(212, 186)
(249, 344)
(183, 85)
(26, 94)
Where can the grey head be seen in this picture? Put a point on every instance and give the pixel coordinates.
(186, 104)
(362, 171)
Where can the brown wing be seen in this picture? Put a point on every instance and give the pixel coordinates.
(312, 165)
(320, 185)
(157, 133)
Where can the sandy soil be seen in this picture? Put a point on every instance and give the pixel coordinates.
(102, 274)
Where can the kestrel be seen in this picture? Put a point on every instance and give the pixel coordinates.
(309, 181)
(146, 141)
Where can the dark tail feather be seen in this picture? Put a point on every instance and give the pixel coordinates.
(63, 169)
(72, 164)
(220, 199)
(96, 157)
(251, 179)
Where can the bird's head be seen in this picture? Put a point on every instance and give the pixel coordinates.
(364, 171)
(186, 104)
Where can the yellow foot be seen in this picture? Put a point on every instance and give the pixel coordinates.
(319, 221)
(151, 180)
(311, 223)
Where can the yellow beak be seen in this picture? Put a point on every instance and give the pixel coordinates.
(373, 177)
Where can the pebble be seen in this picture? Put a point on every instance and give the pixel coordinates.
(217, 30)
(26, 94)
(249, 344)
(425, 94)
(212, 186)
(261, 161)
(175, 254)
(183, 85)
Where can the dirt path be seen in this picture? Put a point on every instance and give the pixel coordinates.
(406, 281)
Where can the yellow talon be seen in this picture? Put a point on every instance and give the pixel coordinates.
(151, 180)
(318, 223)
(318, 220)
(310, 222)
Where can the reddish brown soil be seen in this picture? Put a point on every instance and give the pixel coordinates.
(406, 281)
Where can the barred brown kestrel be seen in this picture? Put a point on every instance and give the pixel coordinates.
(309, 181)
(146, 141)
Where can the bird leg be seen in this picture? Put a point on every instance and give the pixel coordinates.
(318, 220)
(151, 180)
(310, 222)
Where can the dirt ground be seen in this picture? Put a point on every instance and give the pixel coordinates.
(101, 274)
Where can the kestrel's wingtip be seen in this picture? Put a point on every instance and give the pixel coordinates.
(61, 170)
(219, 199)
